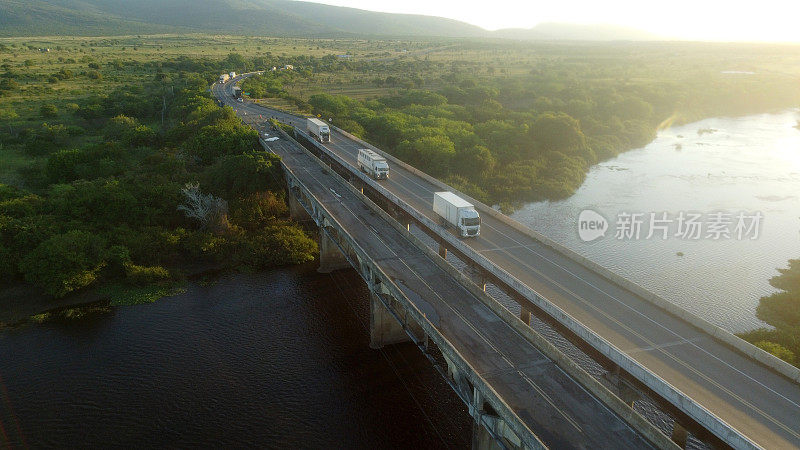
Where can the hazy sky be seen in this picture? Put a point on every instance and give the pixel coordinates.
(729, 20)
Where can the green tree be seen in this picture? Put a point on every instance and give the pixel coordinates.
(8, 114)
(64, 263)
(776, 350)
(432, 153)
(235, 176)
(558, 132)
(48, 110)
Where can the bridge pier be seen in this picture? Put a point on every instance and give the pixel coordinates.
(482, 439)
(384, 329)
(330, 256)
(488, 428)
(679, 435)
(296, 210)
(525, 315)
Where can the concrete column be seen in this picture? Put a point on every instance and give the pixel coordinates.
(296, 210)
(330, 257)
(525, 315)
(384, 329)
(442, 251)
(481, 439)
(679, 435)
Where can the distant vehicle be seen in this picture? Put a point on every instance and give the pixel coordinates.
(457, 212)
(224, 77)
(232, 74)
(318, 129)
(237, 92)
(373, 164)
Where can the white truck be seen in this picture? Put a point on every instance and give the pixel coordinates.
(318, 129)
(373, 164)
(457, 212)
(223, 78)
(232, 74)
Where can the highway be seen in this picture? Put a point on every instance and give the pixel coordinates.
(556, 408)
(757, 402)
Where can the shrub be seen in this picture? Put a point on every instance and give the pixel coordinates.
(48, 110)
(257, 209)
(776, 350)
(64, 263)
(143, 275)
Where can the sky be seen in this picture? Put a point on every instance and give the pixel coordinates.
(714, 20)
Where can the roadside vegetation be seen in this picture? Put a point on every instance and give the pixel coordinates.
(781, 310)
(511, 123)
(130, 186)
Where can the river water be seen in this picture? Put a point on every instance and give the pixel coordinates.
(275, 359)
(746, 165)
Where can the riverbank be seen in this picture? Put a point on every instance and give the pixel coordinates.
(24, 303)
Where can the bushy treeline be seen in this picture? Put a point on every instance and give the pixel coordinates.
(530, 136)
(102, 203)
(782, 311)
(529, 139)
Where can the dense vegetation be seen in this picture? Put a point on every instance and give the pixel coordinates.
(137, 186)
(525, 137)
(100, 136)
(782, 311)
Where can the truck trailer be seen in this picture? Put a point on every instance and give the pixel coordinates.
(373, 164)
(232, 74)
(237, 92)
(318, 129)
(457, 213)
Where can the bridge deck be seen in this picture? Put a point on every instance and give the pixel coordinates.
(757, 402)
(555, 407)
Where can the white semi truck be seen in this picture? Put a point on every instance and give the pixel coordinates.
(232, 74)
(373, 164)
(457, 212)
(224, 77)
(318, 129)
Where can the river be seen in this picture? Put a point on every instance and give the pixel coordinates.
(738, 165)
(274, 359)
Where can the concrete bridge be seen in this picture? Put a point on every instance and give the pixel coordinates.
(714, 385)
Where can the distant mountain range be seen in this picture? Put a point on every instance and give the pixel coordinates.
(259, 17)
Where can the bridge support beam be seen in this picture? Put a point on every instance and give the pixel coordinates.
(330, 257)
(679, 435)
(296, 210)
(384, 329)
(482, 439)
(483, 422)
(525, 315)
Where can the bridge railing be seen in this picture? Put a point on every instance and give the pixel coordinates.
(683, 402)
(492, 397)
(782, 367)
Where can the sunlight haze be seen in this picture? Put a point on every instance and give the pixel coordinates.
(771, 20)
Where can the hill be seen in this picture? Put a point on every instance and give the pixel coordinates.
(263, 17)
(259, 17)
